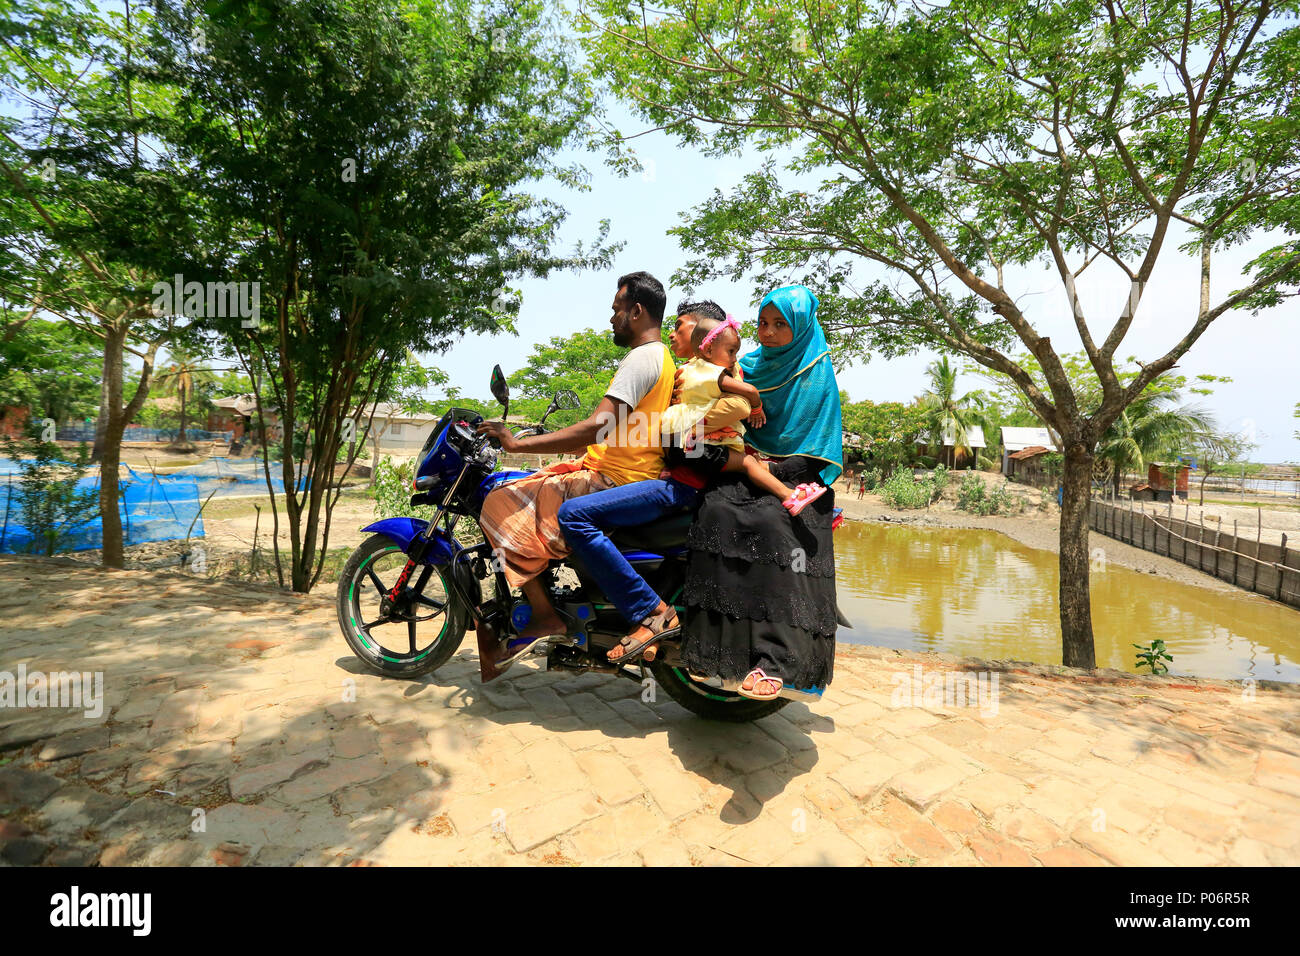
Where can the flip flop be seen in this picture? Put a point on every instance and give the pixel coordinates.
(795, 504)
(761, 677)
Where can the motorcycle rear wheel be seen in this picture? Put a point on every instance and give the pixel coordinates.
(710, 702)
(428, 642)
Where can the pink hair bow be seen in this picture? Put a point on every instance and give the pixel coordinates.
(729, 323)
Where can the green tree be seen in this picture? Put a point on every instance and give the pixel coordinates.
(372, 162)
(183, 378)
(947, 143)
(1215, 450)
(50, 368)
(888, 431)
(98, 209)
(1156, 426)
(947, 414)
(584, 362)
(49, 503)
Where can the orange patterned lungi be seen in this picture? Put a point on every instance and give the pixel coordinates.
(520, 519)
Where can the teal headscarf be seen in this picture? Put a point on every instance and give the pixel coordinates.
(797, 385)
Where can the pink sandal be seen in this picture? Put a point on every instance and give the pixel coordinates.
(795, 503)
(760, 678)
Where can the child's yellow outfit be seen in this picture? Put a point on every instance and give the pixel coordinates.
(700, 391)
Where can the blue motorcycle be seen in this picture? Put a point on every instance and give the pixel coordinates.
(409, 593)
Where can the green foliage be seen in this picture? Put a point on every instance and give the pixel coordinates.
(1153, 656)
(584, 361)
(371, 165)
(888, 431)
(47, 501)
(948, 415)
(939, 479)
(872, 476)
(50, 368)
(974, 496)
(903, 491)
(391, 488)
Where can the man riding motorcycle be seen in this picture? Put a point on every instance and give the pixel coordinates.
(519, 519)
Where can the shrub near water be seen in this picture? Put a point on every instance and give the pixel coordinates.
(903, 491)
(974, 496)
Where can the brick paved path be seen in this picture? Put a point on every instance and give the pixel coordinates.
(225, 739)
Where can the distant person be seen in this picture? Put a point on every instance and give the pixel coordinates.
(862, 485)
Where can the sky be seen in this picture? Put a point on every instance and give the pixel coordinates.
(1260, 353)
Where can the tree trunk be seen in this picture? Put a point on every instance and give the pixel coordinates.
(181, 438)
(1201, 503)
(101, 421)
(111, 451)
(1076, 607)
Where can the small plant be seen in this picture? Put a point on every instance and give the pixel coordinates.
(392, 487)
(48, 502)
(970, 493)
(1153, 656)
(939, 478)
(873, 478)
(974, 496)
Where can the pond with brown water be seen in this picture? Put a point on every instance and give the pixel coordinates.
(982, 594)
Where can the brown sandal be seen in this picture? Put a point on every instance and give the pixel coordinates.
(663, 625)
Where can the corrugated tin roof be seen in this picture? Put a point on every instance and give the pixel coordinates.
(1014, 438)
(974, 437)
(1030, 452)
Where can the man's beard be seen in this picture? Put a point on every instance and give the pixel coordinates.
(622, 337)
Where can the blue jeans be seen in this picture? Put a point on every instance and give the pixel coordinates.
(585, 520)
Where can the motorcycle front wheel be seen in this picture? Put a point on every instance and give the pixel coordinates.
(414, 636)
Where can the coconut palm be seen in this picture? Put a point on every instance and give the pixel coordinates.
(1154, 426)
(946, 415)
(180, 380)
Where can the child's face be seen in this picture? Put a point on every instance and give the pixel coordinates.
(723, 350)
(679, 339)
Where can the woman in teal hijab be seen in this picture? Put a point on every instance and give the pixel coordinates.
(760, 583)
(796, 381)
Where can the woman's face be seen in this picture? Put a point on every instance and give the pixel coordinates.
(773, 330)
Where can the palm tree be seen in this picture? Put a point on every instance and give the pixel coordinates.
(181, 379)
(947, 415)
(1154, 426)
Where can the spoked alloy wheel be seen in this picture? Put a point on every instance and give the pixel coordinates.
(406, 637)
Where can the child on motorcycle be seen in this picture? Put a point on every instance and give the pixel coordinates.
(705, 379)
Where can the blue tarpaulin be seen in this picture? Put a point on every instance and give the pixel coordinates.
(152, 509)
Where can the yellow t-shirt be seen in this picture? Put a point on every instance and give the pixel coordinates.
(634, 452)
(700, 392)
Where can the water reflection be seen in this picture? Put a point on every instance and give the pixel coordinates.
(980, 593)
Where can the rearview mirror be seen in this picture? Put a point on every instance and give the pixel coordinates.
(500, 390)
(567, 399)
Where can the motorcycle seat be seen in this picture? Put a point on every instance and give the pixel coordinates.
(666, 535)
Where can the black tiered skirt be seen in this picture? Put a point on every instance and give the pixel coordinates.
(760, 585)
